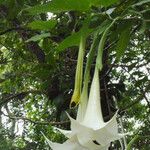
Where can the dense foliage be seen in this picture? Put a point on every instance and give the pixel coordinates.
(38, 55)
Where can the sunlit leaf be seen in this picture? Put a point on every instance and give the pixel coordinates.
(42, 25)
(73, 40)
(38, 37)
(57, 6)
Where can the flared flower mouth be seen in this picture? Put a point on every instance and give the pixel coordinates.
(92, 127)
(91, 132)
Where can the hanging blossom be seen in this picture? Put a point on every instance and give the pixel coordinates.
(89, 131)
(92, 133)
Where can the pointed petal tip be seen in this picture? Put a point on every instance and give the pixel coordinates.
(67, 133)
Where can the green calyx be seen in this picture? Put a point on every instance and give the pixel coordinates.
(99, 63)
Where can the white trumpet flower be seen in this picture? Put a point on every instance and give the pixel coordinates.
(93, 132)
(72, 143)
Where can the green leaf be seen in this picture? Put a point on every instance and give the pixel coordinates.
(38, 37)
(74, 39)
(56, 6)
(42, 25)
(123, 42)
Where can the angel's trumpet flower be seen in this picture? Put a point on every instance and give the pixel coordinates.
(89, 131)
(93, 133)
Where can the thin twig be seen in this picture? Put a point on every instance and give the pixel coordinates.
(21, 94)
(36, 122)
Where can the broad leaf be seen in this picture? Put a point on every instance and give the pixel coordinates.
(73, 40)
(38, 37)
(56, 6)
(42, 25)
(123, 42)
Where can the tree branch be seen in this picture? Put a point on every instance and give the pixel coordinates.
(20, 95)
(14, 29)
(35, 122)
